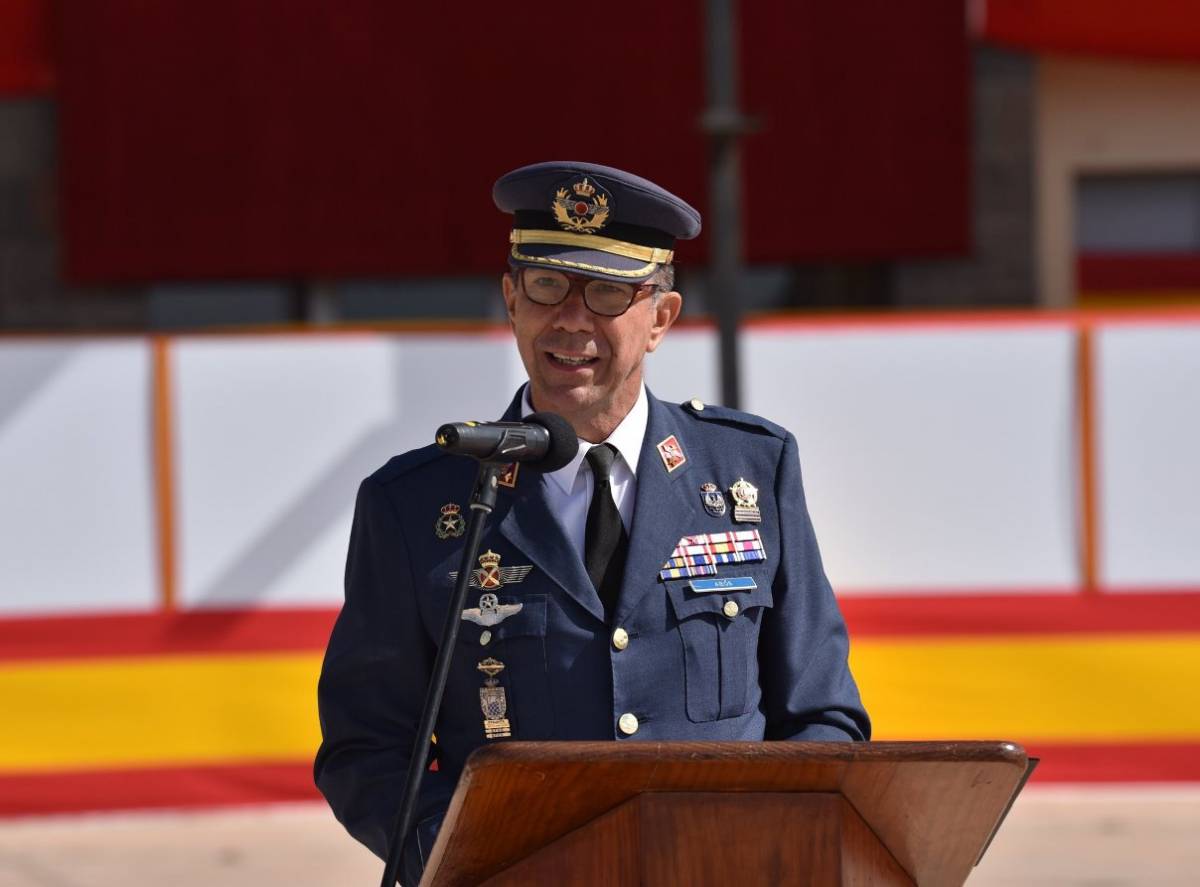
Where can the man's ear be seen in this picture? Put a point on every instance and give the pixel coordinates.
(509, 287)
(666, 312)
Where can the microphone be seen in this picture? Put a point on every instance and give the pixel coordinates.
(545, 438)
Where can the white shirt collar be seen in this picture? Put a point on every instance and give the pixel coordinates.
(627, 437)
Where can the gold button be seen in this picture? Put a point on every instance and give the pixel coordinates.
(484, 637)
(628, 724)
(696, 404)
(730, 609)
(620, 639)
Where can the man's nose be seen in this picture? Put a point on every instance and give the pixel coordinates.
(573, 313)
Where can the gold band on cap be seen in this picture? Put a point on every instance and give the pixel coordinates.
(637, 273)
(649, 254)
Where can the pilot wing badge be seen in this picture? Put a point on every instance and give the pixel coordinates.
(490, 575)
(490, 611)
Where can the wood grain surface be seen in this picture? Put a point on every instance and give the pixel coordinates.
(931, 805)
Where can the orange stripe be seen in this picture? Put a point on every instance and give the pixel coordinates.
(164, 470)
(1084, 369)
(161, 710)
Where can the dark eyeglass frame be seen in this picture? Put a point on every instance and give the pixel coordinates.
(576, 281)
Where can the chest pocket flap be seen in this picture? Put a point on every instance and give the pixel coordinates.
(687, 603)
(719, 632)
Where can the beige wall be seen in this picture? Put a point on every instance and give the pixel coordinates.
(1103, 116)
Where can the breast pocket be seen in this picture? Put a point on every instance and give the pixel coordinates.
(518, 642)
(719, 632)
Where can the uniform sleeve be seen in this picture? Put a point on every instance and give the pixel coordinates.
(808, 691)
(372, 689)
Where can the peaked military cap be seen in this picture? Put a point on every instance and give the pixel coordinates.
(590, 219)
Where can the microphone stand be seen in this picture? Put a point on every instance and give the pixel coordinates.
(483, 501)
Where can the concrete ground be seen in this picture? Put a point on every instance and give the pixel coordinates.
(1068, 837)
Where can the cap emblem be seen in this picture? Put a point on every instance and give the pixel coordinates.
(581, 207)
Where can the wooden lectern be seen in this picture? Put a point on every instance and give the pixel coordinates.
(741, 813)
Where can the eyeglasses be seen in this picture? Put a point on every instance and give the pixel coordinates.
(607, 298)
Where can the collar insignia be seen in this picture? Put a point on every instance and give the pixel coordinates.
(671, 453)
(582, 206)
(509, 477)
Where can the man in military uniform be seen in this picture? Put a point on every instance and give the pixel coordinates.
(665, 584)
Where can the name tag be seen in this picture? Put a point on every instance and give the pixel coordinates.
(733, 583)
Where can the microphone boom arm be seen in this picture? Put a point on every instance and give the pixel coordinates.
(483, 501)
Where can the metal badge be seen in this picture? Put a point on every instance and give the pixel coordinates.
(581, 206)
(493, 701)
(490, 611)
(491, 575)
(671, 453)
(745, 502)
(714, 499)
(450, 523)
(509, 477)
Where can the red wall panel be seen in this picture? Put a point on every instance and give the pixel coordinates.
(1164, 29)
(864, 148)
(25, 66)
(301, 138)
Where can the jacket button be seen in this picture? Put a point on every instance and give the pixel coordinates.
(696, 404)
(730, 609)
(484, 637)
(620, 639)
(628, 724)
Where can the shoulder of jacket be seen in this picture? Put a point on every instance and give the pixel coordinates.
(428, 457)
(707, 412)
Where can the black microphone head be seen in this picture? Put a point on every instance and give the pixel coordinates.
(564, 445)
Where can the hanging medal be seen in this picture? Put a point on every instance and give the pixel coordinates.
(493, 701)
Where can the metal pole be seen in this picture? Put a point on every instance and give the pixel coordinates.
(482, 502)
(725, 125)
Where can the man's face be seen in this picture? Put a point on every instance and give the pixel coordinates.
(585, 367)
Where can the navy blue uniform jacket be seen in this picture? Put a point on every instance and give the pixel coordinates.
(777, 670)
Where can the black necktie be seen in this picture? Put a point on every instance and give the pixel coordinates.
(604, 543)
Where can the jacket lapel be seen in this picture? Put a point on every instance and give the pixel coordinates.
(661, 513)
(529, 524)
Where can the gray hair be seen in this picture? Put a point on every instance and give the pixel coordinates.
(663, 280)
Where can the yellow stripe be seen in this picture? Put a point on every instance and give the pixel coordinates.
(96, 713)
(175, 710)
(1095, 687)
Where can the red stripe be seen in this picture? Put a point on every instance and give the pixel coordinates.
(1137, 271)
(133, 789)
(1167, 29)
(1151, 762)
(148, 634)
(1022, 614)
(276, 630)
(229, 785)
(969, 320)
